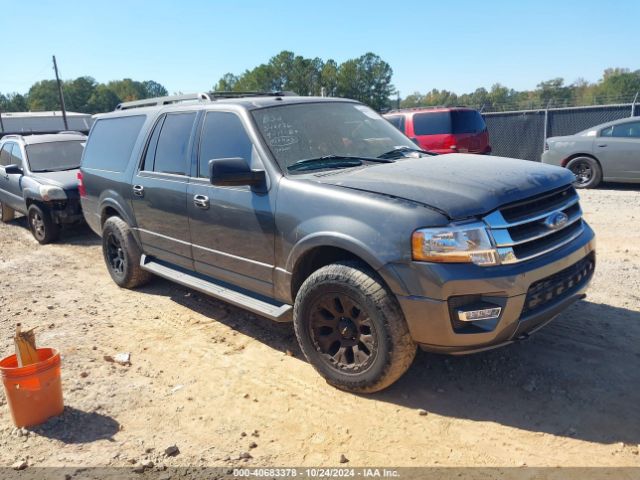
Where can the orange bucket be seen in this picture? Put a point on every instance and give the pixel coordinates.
(34, 392)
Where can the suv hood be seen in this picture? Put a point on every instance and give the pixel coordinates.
(66, 179)
(459, 185)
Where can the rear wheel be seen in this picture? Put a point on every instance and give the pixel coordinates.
(42, 226)
(351, 328)
(587, 171)
(122, 254)
(6, 213)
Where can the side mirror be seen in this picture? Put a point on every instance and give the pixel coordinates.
(234, 171)
(13, 170)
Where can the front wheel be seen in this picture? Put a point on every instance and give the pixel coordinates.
(587, 171)
(42, 226)
(351, 328)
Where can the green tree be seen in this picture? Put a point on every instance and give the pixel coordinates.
(329, 78)
(153, 89)
(77, 94)
(103, 99)
(13, 102)
(127, 89)
(227, 83)
(43, 96)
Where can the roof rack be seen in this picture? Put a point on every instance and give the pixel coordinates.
(71, 132)
(160, 101)
(222, 94)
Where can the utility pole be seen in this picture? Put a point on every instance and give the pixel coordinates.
(64, 112)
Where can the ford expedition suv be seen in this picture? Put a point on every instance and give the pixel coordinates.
(38, 178)
(320, 212)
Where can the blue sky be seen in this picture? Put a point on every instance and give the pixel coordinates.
(188, 45)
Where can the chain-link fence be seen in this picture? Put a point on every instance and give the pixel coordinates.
(521, 134)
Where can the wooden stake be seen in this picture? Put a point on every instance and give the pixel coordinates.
(25, 343)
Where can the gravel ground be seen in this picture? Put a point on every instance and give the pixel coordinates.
(230, 389)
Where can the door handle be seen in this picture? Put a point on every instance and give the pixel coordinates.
(201, 201)
(138, 190)
(602, 144)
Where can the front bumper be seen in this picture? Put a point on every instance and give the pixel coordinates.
(67, 211)
(433, 287)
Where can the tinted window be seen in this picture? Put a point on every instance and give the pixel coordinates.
(630, 129)
(606, 132)
(467, 121)
(5, 154)
(173, 143)
(54, 156)
(435, 123)
(111, 142)
(223, 136)
(397, 121)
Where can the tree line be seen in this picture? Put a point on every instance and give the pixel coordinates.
(617, 85)
(366, 78)
(83, 95)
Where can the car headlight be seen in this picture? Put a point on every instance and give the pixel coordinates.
(50, 192)
(468, 243)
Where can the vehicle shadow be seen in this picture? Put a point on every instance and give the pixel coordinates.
(618, 186)
(80, 234)
(577, 377)
(75, 426)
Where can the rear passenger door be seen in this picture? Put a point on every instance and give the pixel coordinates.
(159, 190)
(10, 185)
(618, 149)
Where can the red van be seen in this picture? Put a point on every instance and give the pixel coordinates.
(443, 129)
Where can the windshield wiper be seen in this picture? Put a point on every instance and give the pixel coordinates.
(333, 161)
(399, 152)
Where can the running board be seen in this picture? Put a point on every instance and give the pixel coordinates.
(240, 298)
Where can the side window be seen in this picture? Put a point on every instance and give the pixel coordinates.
(173, 144)
(152, 146)
(223, 136)
(630, 129)
(16, 155)
(111, 142)
(434, 123)
(606, 132)
(5, 154)
(397, 121)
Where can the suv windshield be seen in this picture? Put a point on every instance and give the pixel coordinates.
(328, 129)
(55, 156)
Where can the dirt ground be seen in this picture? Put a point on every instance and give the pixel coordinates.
(220, 383)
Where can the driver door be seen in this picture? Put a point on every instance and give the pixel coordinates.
(11, 184)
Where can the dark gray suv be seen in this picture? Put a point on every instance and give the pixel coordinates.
(318, 210)
(38, 177)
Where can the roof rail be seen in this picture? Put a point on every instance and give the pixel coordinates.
(160, 101)
(428, 107)
(223, 94)
(71, 132)
(17, 136)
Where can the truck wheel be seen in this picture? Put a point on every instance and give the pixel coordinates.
(122, 254)
(42, 226)
(6, 213)
(587, 171)
(351, 328)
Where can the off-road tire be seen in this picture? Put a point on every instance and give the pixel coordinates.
(6, 213)
(41, 224)
(122, 254)
(395, 349)
(592, 175)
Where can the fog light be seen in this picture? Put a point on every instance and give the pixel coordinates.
(478, 312)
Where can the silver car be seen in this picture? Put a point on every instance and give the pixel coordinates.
(609, 152)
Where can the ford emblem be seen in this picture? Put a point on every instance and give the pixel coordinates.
(556, 220)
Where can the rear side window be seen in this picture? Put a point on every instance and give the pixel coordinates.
(397, 121)
(467, 121)
(111, 142)
(223, 136)
(173, 144)
(435, 123)
(628, 130)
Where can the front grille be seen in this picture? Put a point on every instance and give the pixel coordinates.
(522, 230)
(559, 285)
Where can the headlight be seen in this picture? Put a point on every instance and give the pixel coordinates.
(468, 243)
(49, 192)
